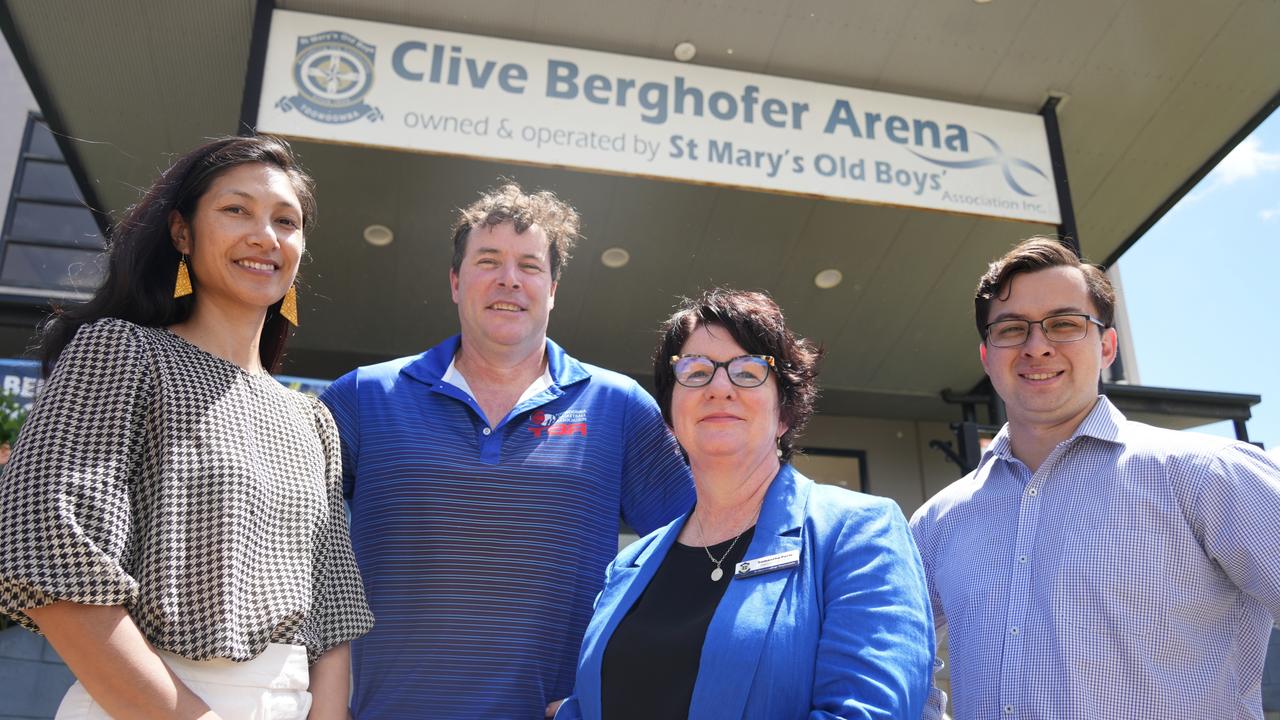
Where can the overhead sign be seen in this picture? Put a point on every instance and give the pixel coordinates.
(368, 83)
(21, 380)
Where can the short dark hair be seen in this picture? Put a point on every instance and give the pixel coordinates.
(756, 323)
(142, 262)
(1040, 253)
(509, 203)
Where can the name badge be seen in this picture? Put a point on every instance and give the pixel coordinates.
(767, 564)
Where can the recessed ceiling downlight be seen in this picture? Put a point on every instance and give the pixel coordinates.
(615, 257)
(828, 278)
(378, 235)
(684, 51)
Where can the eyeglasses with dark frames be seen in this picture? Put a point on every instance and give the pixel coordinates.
(1064, 328)
(745, 371)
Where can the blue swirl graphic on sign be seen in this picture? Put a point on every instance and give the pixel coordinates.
(1006, 163)
(333, 71)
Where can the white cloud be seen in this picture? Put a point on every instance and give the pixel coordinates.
(1269, 214)
(1246, 161)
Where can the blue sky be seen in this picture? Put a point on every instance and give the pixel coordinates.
(1203, 286)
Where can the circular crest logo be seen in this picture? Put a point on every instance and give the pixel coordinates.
(333, 72)
(542, 418)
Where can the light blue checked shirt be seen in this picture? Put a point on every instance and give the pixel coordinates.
(1135, 575)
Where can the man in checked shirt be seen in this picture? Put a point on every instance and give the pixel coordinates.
(1093, 567)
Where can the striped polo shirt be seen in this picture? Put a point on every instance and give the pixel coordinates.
(482, 549)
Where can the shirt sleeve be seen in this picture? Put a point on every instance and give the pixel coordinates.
(342, 399)
(656, 484)
(339, 611)
(876, 645)
(66, 525)
(936, 706)
(1237, 519)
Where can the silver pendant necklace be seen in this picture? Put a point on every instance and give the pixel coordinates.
(717, 573)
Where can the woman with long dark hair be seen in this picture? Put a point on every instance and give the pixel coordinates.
(172, 516)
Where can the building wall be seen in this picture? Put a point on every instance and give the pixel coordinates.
(32, 676)
(900, 463)
(18, 102)
(1126, 369)
(1271, 677)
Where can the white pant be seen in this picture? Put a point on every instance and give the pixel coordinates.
(272, 686)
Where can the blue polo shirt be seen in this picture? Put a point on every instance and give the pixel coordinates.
(483, 550)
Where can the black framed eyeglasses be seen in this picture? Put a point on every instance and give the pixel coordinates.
(1068, 327)
(745, 371)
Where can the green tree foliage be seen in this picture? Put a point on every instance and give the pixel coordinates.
(12, 415)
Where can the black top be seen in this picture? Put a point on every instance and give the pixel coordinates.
(651, 662)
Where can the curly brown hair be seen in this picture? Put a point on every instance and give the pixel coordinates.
(509, 203)
(756, 323)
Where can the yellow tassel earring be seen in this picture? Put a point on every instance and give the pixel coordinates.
(289, 306)
(182, 286)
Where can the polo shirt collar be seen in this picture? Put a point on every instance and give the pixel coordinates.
(430, 366)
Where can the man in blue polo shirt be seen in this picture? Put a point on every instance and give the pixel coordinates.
(486, 477)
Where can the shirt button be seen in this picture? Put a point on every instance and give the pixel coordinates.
(1033, 492)
(1022, 558)
(1008, 709)
(1013, 631)
(486, 431)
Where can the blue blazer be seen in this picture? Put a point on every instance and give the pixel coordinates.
(847, 633)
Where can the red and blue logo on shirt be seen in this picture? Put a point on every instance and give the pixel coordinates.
(566, 424)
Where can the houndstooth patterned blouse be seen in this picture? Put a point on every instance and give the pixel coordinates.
(204, 499)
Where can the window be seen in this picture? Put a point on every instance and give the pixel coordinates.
(50, 240)
(845, 468)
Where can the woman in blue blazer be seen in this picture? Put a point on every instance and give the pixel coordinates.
(775, 597)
